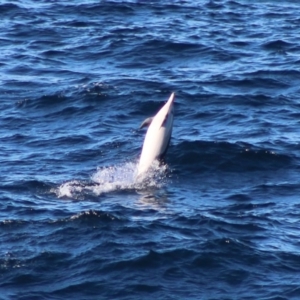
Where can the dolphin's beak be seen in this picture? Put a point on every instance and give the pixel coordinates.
(172, 98)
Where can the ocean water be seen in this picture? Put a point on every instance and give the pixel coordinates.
(220, 220)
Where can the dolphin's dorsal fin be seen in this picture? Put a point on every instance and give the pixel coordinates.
(146, 122)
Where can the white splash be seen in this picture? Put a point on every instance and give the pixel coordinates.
(114, 178)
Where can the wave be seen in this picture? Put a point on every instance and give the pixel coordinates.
(224, 156)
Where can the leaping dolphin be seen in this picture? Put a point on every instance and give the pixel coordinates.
(158, 136)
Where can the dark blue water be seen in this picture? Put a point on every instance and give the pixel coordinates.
(220, 221)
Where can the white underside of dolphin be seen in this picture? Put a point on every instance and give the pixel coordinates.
(158, 136)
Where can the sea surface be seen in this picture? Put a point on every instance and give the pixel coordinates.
(219, 220)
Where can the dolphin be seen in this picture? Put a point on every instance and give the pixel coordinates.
(158, 136)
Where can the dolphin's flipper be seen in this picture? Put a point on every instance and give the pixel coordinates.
(146, 122)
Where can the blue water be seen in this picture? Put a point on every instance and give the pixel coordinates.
(220, 220)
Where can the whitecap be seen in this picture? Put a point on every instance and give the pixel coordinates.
(114, 178)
